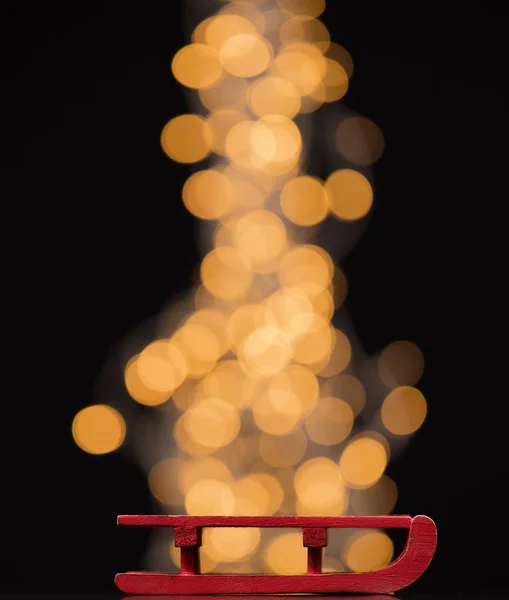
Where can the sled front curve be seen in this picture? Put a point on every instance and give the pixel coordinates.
(412, 563)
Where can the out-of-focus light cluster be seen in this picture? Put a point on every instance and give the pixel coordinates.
(262, 380)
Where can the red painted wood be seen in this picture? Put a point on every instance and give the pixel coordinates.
(265, 597)
(314, 537)
(189, 560)
(315, 560)
(412, 563)
(385, 522)
(187, 537)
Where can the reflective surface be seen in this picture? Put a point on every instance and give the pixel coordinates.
(501, 594)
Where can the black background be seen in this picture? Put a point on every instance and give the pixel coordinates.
(97, 248)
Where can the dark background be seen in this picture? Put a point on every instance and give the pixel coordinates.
(98, 226)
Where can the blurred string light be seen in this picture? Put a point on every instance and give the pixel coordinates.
(262, 384)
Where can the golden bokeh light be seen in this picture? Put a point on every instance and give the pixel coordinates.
(230, 544)
(215, 321)
(331, 422)
(230, 383)
(242, 322)
(187, 139)
(265, 352)
(341, 56)
(285, 554)
(223, 27)
(302, 9)
(340, 356)
(224, 274)
(283, 451)
(221, 122)
(98, 429)
(368, 551)
(302, 64)
(228, 92)
(360, 140)
(379, 499)
(334, 84)
(248, 10)
(274, 489)
(363, 462)
(260, 237)
(197, 66)
(404, 410)
(208, 194)
(161, 481)
(400, 363)
(212, 423)
(277, 412)
(308, 268)
(350, 194)
(209, 497)
(319, 484)
(316, 343)
(289, 310)
(304, 201)
(195, 469)
(251, 497)
(185, 443)
(312, 31)
(138, 390)
(246, 54)
(274, 96)
(276, 143)
(300, 382)
(346, 387)
(200, 346)
(162, 366)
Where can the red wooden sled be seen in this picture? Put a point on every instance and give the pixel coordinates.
(417, 555)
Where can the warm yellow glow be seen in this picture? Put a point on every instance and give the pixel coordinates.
(239, 147)
(277, 412)
(319, 484)
(231, 384)
(334, 84)
(187, 139)
(363, 462)
(299, 381)
(289, 310)
(221, 122)
(340, 356)
(304, 201)
(265, 352)
(260, 237)
(138, 390)
(208, 194)
(162, 366)
(197, 66)
(274, 96)
(200, 346)
(194, 470)
(323, 306)
(207, 565)
(312, 31)
(246, 54)
(350, 194)
(283, 451)
(230, 544)
(360, 140)
(302, 9)
(326, 507)
(251, 497)
(210, 497)
(184, 441)
(339, 287)
(309, 105)
(274, 489)
(401, 363)
(368, 551)
(161, 481)
(242, 323)
(332, 565)
(214, 320)
(98, 429)
(276, 143)
(228, 92)
(342, 56)
(247, 10)
(379, 499)
(302, 64)
(223, 27)
(247, 194)
(316, 344)
(349, 388)
(308, 268)
(404, 410)
(224, 274)
(331, 422)
(285, 554)
(212, 423)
